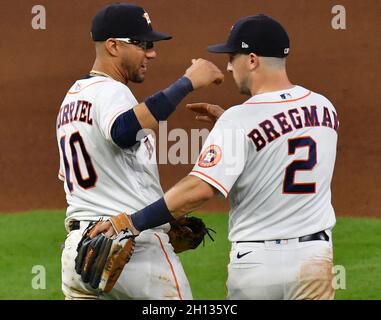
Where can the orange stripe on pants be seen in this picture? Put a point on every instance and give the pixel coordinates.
(171, 266)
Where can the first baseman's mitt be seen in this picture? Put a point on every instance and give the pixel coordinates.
(187, 233)
(101, 260)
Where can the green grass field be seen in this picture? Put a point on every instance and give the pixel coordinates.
(34, 239)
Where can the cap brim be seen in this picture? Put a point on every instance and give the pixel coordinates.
(154, 36)
(221, 48)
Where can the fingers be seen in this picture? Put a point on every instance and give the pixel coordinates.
(218, 75)
(204, 119)
(110, 233)
(206, 112)
(203, 73)
(208, 64)
(200, 107)
(220, 79)
(205, 108)
(99, 228)
(215, 110)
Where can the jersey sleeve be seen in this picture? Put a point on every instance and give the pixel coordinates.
(223, 156)
(112, 101)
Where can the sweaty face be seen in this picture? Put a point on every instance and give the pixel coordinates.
(134, 62)
(237, 65)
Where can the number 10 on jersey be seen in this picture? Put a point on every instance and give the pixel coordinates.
(77, 145)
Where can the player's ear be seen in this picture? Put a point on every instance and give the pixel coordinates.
(253, 61)
(111, 47)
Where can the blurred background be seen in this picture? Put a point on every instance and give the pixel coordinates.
(38, 66)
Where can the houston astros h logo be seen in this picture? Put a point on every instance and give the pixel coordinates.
(146, 16)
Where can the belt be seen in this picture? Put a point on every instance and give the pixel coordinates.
(321, 235)
(74, 225)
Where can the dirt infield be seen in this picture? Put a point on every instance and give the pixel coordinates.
(38, 66)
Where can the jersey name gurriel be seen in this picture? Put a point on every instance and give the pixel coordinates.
(285, 122)
(75, 111)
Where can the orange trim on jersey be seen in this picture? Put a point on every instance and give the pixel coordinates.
(171, 266)
(203, 174)
(283, 101)
(75, 92)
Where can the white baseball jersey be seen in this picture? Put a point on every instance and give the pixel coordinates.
(275, 156)
(101, 179)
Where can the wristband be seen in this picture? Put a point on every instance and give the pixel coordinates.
(163, 103)
(152, 216)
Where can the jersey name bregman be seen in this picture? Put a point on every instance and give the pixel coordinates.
(293, 120)
(75, 111)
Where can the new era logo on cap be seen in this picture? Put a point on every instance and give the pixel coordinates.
(244, 45)
(286, 51)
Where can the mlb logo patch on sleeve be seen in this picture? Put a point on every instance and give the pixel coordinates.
(285, 96)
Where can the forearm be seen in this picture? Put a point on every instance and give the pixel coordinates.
(186, 196)
(162, 104)
(146, 115)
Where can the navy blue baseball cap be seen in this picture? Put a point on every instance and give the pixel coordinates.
(259, 34)
(122, 20)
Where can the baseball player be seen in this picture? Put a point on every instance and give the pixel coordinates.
(107, 162)
(274, 155)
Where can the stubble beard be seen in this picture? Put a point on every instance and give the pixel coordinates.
(132, 75)
(244, 89)
(242, 86)
(136, 78)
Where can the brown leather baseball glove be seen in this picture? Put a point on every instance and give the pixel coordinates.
(187, 233)
(101, 260)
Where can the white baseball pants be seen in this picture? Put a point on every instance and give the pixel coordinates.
(154, 271)
(281, 270)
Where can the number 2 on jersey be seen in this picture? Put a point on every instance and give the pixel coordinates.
(85, 183)
(289, 184)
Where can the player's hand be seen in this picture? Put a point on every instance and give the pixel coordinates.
(104, 227)
(202, 73)
(206, 112)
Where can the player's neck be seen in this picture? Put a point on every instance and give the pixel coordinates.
(270, 82)
(105, 70)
